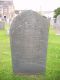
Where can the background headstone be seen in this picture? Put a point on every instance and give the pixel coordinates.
(2, 25)
(58, 25)
(29, 37)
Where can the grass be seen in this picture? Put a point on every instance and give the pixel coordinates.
(53, 59)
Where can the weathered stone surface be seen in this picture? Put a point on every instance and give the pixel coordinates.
(29, 37)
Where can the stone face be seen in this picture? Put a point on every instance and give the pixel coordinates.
(29, 37)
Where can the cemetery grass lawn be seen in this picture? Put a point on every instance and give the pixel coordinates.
(53, 59)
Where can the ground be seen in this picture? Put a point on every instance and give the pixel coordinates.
(52, 64)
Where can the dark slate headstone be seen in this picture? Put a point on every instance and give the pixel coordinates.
(29, 37)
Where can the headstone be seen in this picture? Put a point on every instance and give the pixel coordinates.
(8, 32)
(2, 24)
(53, 23)
(58, 25)
(29, 37)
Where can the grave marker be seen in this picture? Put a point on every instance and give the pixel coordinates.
(2, 24)
(29, 38)
(58, 25)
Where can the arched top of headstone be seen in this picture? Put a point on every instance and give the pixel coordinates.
(28, 18)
